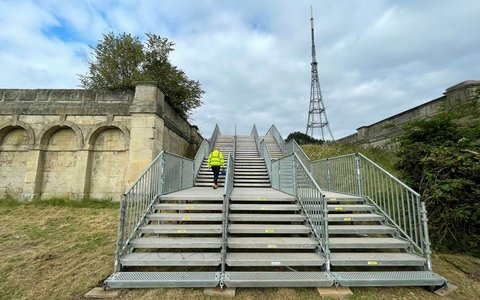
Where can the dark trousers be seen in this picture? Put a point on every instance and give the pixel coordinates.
(215, 170)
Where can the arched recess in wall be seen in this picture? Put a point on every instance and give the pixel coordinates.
(61, 162)
(15, 142)
(108, 144)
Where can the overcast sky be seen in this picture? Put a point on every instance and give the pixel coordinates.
(375, 58)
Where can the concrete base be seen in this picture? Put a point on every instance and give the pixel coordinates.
(226, 292)
(446, 290)
(338, 293)
(99, 293)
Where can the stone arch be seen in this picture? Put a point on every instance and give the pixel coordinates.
(15, 143)
(6, 127)
(97, 129)
(50, 129)
(108, 145)
(62, 165)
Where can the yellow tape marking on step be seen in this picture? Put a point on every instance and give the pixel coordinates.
(263, 207)
(190, 207)
(347, 219)
(272, 246)
(373, 262)
(333, 199)
(186, 218)
(262, 198)
(338, 208)
(182, 230)
(269, 230)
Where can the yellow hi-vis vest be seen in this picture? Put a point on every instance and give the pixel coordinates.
(216, 159)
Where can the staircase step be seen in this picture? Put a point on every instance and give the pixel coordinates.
(188, 206)
(278, 279)
(265, 207)
(366, 243)
(163, 279)
(266, 217)
(397, 278)
(268, 229)
(182, 229)
(376, 259)
(271, 243)
(171, 259)
(176, 242)
(185, 217)
(236, 259)
(251, 185)
(360, 229)
(209, 184)
(354, 217)
(359, 207)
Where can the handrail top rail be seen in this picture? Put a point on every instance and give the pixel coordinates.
(309, 174)
(415, 193)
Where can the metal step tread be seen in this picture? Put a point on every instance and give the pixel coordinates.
(177, 242)
(163, 279)
(354, 217)
(400, 278)
(376, 259)
(366, 243)
(188, 206)
(185, 217)
(267, 207)
(352, 207)
(274, 259)
(272, 242)
(360, 229)
(182, 228)
(172, 259)
(267, 228)
(278, 279)
(267, 217)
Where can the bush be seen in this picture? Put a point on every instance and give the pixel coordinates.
(302, 138)
(440, 157)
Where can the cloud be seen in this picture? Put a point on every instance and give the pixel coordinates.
(375, 58)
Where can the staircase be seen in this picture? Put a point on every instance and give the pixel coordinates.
(273, 147)
(205, 176)
(283, 232)
(250, 168)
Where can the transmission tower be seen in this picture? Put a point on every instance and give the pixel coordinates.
(317, 117)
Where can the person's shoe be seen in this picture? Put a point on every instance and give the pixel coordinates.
(214, 187)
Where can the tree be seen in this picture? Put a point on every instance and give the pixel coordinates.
(120, 60)
(302, 138)
(440, 157)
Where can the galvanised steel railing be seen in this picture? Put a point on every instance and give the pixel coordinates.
(265, 154)
(228, 188)
(402, 207)
(202, 153)
(213, 139)
(293, 147)
(290, 175)
(166, 174)
(273, 131)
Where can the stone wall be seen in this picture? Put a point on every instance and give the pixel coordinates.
(380, 133)
(83, 143)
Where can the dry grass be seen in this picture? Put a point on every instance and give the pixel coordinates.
(61, 252)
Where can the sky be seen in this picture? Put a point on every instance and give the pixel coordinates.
(375, 58)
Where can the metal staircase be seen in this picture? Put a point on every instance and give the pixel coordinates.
(280, 220)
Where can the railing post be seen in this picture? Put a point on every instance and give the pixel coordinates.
(294, 179)
(325, 239)
(121, 233)
(358, 175)
(329, 174)
(426, 240)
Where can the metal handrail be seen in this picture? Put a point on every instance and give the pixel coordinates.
(202, 153)
(265, 154)
(167, 173)
(273, 131)
(400, 205)
(290, 175)
(213, 139)
(293, 147)
(226, 198)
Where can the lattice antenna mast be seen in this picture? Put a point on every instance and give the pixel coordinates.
(317, 117)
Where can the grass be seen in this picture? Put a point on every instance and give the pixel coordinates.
(61, 249)
(383, 157)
